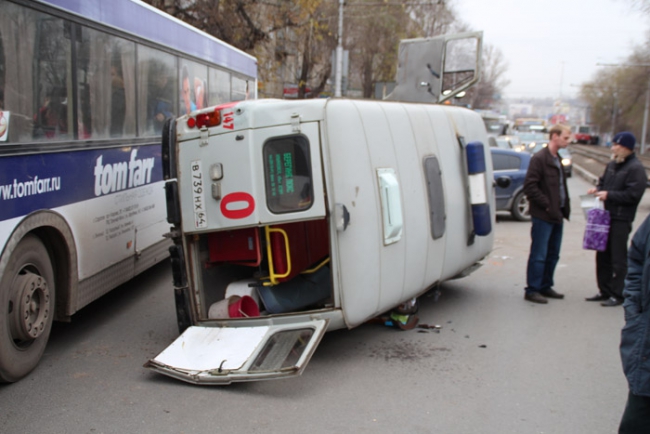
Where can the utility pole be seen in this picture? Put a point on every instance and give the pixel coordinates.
(614, 111)
(339, 53)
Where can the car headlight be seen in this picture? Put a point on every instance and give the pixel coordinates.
(566, 162)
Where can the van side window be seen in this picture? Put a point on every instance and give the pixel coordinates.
(287, 174)
(437, 214)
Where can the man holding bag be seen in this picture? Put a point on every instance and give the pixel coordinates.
(620, 188)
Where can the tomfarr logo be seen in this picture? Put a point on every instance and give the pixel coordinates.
(29, 188)
(119, 176)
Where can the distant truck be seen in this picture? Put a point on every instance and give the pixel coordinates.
(586, 134)
(528, 125)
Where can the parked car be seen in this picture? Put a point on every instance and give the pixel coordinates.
(533, 139)
(565, 158)
(512, 165)
(505, 142)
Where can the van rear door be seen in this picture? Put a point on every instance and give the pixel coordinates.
(226, 353)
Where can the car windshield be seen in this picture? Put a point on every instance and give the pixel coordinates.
(532, 137)
(538, 147)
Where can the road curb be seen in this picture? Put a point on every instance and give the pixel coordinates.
(590, 177)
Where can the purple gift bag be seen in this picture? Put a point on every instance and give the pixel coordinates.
(597, 230)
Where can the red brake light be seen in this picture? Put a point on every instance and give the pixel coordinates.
(209, 119)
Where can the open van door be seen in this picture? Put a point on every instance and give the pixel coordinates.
(229, 353)
(436, 69)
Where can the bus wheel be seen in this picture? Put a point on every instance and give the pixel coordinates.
(26, 308)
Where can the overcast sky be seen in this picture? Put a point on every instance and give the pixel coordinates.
(551, 46)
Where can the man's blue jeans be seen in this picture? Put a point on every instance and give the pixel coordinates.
(544, 254)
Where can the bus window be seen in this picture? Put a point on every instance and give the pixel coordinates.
(287, 167)
(34, 83)
(193, 86)
(239, 89)
(106, 75)
(219, 86)
(157, 78)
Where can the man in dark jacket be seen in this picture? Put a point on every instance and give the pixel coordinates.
(621, 188)
(635, 337)
(546, 189)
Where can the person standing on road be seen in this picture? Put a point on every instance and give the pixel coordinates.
(621, 188)
(635, 337)
(546, 189)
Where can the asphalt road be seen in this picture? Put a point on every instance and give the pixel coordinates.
(499, 364)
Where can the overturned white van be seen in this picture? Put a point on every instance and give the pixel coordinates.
(291, 218)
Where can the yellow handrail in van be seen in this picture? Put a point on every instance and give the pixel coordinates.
(272, 276)
(317, 267)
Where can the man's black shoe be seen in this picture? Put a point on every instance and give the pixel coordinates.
(612, 301)
(597, 297)
(535, 297)
(550, 293)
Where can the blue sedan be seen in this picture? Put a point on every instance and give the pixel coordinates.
(513, 166)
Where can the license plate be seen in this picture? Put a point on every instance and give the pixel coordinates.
(198, 198)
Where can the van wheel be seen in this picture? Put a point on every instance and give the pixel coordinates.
(26, 308)
(521, 207)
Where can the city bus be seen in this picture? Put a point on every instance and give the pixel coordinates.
(85, 87)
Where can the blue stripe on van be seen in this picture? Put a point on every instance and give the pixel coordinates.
(45, 181)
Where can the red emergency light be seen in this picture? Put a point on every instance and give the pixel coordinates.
(206, 119)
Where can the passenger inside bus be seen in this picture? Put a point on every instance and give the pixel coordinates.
(50, 120)
(200, 93)
(161, 101)
(118, 101)
(187, 95)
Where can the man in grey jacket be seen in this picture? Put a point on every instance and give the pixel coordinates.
(635, 337)
(621, 188)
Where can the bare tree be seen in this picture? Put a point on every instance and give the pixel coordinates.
(616, 95)
(492, 82)
(374, 31)
(241, 23)
(293, 39)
